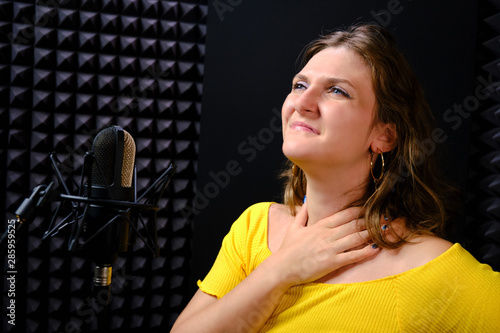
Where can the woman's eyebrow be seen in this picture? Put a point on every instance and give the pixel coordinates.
(329, 81)
(300, 77)
(335, 80)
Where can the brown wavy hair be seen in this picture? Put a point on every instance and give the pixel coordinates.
(411, 187)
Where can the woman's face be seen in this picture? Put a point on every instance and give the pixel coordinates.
(327, 116)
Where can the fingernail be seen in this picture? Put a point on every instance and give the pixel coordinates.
(374, 246)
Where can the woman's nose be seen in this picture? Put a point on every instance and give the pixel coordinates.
(307, 101)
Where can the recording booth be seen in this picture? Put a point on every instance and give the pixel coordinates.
(135, 132)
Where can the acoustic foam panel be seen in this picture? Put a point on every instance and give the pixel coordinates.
(482, 228)
(67, 70)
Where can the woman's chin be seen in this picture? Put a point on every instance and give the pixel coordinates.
(295, 149)
(299, 159)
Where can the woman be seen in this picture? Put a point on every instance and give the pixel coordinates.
(364, 253)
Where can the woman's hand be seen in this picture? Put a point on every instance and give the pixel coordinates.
(309, 252)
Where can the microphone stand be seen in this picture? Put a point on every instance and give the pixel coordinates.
(102, 294)
(43, 194)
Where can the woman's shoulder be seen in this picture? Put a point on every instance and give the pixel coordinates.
(455, 275)
(423, 249)
(440, 256)
(279, 216)
(251, 226)
(256, 211)
(279, 210)
(451, 285)
(254, 219)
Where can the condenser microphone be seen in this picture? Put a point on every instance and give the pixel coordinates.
(111, 178)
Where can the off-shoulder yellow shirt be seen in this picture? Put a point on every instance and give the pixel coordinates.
(452, 293)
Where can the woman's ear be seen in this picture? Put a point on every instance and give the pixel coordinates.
(385, 139)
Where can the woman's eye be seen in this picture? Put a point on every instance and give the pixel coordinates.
(337, 90)
(299, 85)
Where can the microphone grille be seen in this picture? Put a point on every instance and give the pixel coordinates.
(105, 148)
(128, 159)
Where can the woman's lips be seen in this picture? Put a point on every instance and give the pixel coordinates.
(300, 126)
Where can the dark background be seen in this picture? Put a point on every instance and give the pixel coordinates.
(201, 84)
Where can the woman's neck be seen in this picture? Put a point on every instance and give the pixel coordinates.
(328, 196)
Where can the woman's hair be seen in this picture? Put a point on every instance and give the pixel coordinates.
(411, 187)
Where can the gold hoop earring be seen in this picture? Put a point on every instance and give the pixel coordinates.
(377, 180)
(295, 170)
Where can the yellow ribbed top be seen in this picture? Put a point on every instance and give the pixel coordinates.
(452, 293)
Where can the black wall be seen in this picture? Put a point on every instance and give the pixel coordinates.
(252, 48)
